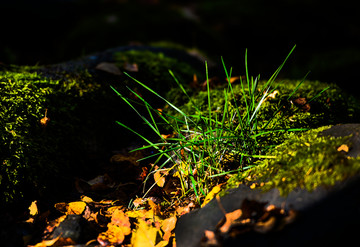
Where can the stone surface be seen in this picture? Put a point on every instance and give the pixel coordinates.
(342, 130)
(327, 215)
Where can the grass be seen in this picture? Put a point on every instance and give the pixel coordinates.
(202, 149)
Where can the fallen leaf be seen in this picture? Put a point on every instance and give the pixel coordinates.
(144, 235)
(33, 208)
(120, 219)
(344, 148)
(147, 214)
(233, 79)
(167, 226)
(184, 210)
(76, 207)
(159, 178)
(138, 201)
(211, 194)
(143, 174)
(118, 228)
(46, 243)
(154, 207)
(86, 199)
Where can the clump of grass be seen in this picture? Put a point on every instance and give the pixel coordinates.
(204, 148)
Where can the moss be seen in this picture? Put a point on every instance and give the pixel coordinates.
(331, 107)
(82, 109)
(153, 68)
(307, 162)
(28, 147)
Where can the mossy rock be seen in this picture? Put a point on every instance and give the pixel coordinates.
(308, 161)
(314, 177)
(82, 109)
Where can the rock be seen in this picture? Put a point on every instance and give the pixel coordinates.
(327, 215)
(69, 228)
(342, 130)
(320, 212)
(74, 230)
(109, 68)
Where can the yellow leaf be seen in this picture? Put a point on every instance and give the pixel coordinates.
(113, 236)
(167, 226)
(148, 214)
(118, 228)
(211, 194)
(344, 148)
(46, 243)
(33, 208)
(159, 179)
(120, 219)
(86, 199)
(162, 244)
(154, 207)
(111, 210)
(76, 207)
(144, 235)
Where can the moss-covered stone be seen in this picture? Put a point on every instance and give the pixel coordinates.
(82, 109)
(152, 68)
(27, 146)
(305, 161)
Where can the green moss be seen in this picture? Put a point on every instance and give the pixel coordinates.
(331, 107)
(27, 147)
(82, 109)
(153, 68)
(307, 162)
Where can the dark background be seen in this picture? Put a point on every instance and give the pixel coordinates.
(327, 34)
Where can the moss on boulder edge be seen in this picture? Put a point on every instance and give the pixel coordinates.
(306, 161)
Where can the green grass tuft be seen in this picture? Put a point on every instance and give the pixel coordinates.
(205, 146)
